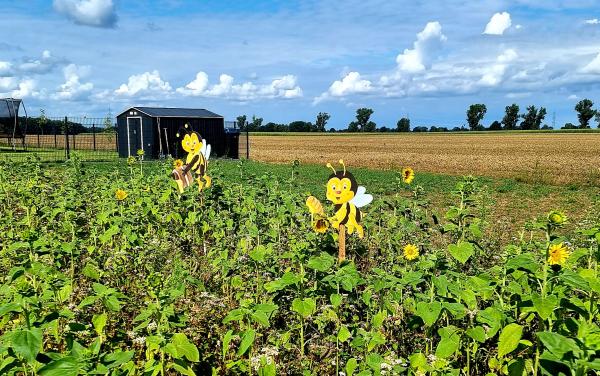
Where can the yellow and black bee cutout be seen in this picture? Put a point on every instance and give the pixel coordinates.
(347, 196)
(196, 161)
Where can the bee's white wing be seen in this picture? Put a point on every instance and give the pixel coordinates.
(205, 150)
(361, 198)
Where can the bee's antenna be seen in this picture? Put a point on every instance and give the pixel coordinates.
(342, 163)
(331, 167)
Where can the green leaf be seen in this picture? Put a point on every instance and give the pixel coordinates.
(344, 334)
(523, 261)
(449, 343)
(185, 348)
(509, 339)
(377, 320)
(429, 312)
(91, 271)
(226, 341)
(336, 300)
(234, 315)
(260, 317)
(461, 251)
(247, 341)
(558, 344)
(286, 280)
(259, 253)
(544, 306)
(66, 366)
(99, 322)
(9, 307)
(27, 343)
(321, 263)
(305, 307)
(118, 357)
(477, 333)
(574, 280)
(351, 366)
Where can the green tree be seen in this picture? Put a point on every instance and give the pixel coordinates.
(321, 122)
(300, 126)
(511, 116)
(496, 126)
(475, 114)
(585, 112)
(598, 117)
(255, 124)
(241, 121)
(533, 118)
(403, 125)
(363, 122)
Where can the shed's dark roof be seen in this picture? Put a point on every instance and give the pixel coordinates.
(174, 112)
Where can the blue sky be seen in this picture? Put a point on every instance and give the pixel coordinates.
(288, 60)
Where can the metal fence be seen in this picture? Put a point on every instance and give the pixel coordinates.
(58, 139)
(52, 139)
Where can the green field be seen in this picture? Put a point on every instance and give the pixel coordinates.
(234, 281)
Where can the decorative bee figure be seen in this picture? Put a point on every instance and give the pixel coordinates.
(347, 196)
(196, 162)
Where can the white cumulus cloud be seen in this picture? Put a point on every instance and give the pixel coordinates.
(5, 69)
(26, 88)
(593, 21)
(350, 84)
(593, 66)
(73, 89)
(494, 74)
(283, 87)
(147, 84)
(498, 24)
(98, 13)
(428, 41)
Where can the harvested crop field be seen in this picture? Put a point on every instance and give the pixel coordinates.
(557, 158)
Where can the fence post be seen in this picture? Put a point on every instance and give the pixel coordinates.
(247, 144)
(67, 151)
(55, 138)
(94, 134)
(38, 137)
(117, 138)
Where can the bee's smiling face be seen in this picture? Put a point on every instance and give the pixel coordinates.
(339, 191)
(191, 143)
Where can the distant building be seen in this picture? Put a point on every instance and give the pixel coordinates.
(154, 130)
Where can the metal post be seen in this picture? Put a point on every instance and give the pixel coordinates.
(38, 137)
(94, 135)
(247, 144)
(67, 148)
(55, 138)
(116, 139)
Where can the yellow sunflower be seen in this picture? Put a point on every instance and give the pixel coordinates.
(177, 163)
(130, 160)
(320, 225)
(411, 252)
(558, 254)
(120, 195)
(140, 152)
(408, 175)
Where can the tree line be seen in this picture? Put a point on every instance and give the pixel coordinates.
(531, 119)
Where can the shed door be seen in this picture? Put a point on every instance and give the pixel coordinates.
(134, 135)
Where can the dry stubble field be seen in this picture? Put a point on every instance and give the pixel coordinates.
(557, 158)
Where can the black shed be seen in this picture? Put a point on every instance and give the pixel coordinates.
(154, 130)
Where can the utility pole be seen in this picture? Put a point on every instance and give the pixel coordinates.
(554, 119)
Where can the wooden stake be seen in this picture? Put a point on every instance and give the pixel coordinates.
(342, 244)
